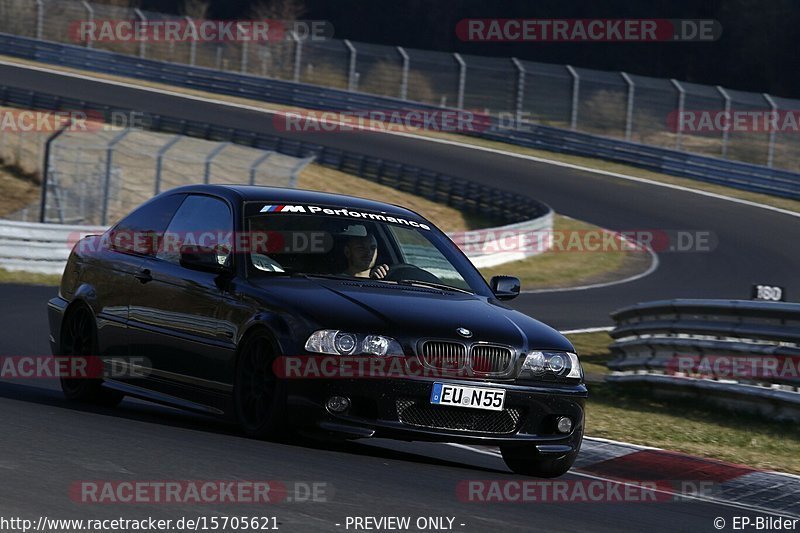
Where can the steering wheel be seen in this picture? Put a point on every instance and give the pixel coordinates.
(406, 271)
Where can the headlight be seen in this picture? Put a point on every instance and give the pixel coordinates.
(551, 364)
(335, 342)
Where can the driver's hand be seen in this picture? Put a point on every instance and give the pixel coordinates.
(379, 272)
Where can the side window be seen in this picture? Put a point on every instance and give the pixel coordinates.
(141, 231)
(201, 221)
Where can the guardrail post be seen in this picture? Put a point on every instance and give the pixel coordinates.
(576, 87)
(193, 44)
(298, 57)
(725, 130)
(160, 160)
(210, 159)
(109, 167)
(404, 74)
(46, 169)
(772, 130)
(143, 36)
(351, 70)
(257, 163)
(219, 57)
(681, 106)
(39, 19)
(245, 49)
(629, 109)
(520, 96)
(90, 14)
(462, 80)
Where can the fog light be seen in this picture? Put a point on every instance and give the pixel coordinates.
(564, 425)
(338, 404)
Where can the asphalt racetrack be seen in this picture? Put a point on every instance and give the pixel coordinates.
(751, 244)
(49, 444)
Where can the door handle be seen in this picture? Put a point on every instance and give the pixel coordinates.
(144, 276)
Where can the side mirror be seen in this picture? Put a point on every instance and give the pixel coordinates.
(505, 287)
(204, 259)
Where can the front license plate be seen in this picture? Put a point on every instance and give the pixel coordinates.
(473, 397)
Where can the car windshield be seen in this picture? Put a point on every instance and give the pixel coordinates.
(375, 246)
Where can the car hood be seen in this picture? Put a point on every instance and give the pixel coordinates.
(410, 312)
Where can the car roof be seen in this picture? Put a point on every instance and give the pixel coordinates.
(258, 193)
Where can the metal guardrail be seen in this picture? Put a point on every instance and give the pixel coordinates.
(742, 354)
(44, 248)
(745, 176)
(505, 207)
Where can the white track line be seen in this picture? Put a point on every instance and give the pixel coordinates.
(705, 499)
(587, 330)
(53, 70)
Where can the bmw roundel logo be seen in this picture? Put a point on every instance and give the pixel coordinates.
(464, 332)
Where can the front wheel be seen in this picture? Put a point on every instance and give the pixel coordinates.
(79, 339)
(258, 394)
(526, 460)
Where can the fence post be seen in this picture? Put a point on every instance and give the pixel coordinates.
(46, 169)
(629, 109)
(257, 163)
(39, 19)
(725, 130)
(90, 13)
(520, 96)
(109, 166)
(298, 57)
(462, 80)
(404, 74)
(681, 106)
(351, 70)
(142, 35)
(245, 49)
(576, 87)
(772, 131)
(193, 44)
(210, 159)
(219, 57)
(160, 160)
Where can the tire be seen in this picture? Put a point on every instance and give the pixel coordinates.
(525, 460)
(258, 395)
(79, 339)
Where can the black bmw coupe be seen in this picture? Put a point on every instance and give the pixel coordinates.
(286, 309)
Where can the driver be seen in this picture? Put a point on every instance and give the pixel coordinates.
(361, 253)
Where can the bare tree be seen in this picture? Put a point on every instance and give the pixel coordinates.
(195, 9)
(284, 10)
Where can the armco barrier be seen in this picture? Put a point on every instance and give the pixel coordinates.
(740, 354)
(45, 248)
(754, 178)
(503, 206)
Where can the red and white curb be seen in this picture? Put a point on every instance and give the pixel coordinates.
(733, 485)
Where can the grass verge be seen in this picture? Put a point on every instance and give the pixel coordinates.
(567, 268)
(29, 278)
(593, 163)
(681, 425)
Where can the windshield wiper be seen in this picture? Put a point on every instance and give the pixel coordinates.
(432, 285)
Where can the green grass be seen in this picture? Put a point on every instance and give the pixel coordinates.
(569, 268)
(28, 278)
(633, 415)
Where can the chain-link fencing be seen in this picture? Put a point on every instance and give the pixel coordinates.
(660, 112)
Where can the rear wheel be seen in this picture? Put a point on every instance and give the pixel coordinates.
(258, 394)
(79, 339)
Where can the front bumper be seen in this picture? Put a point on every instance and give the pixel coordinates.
(380, 408)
